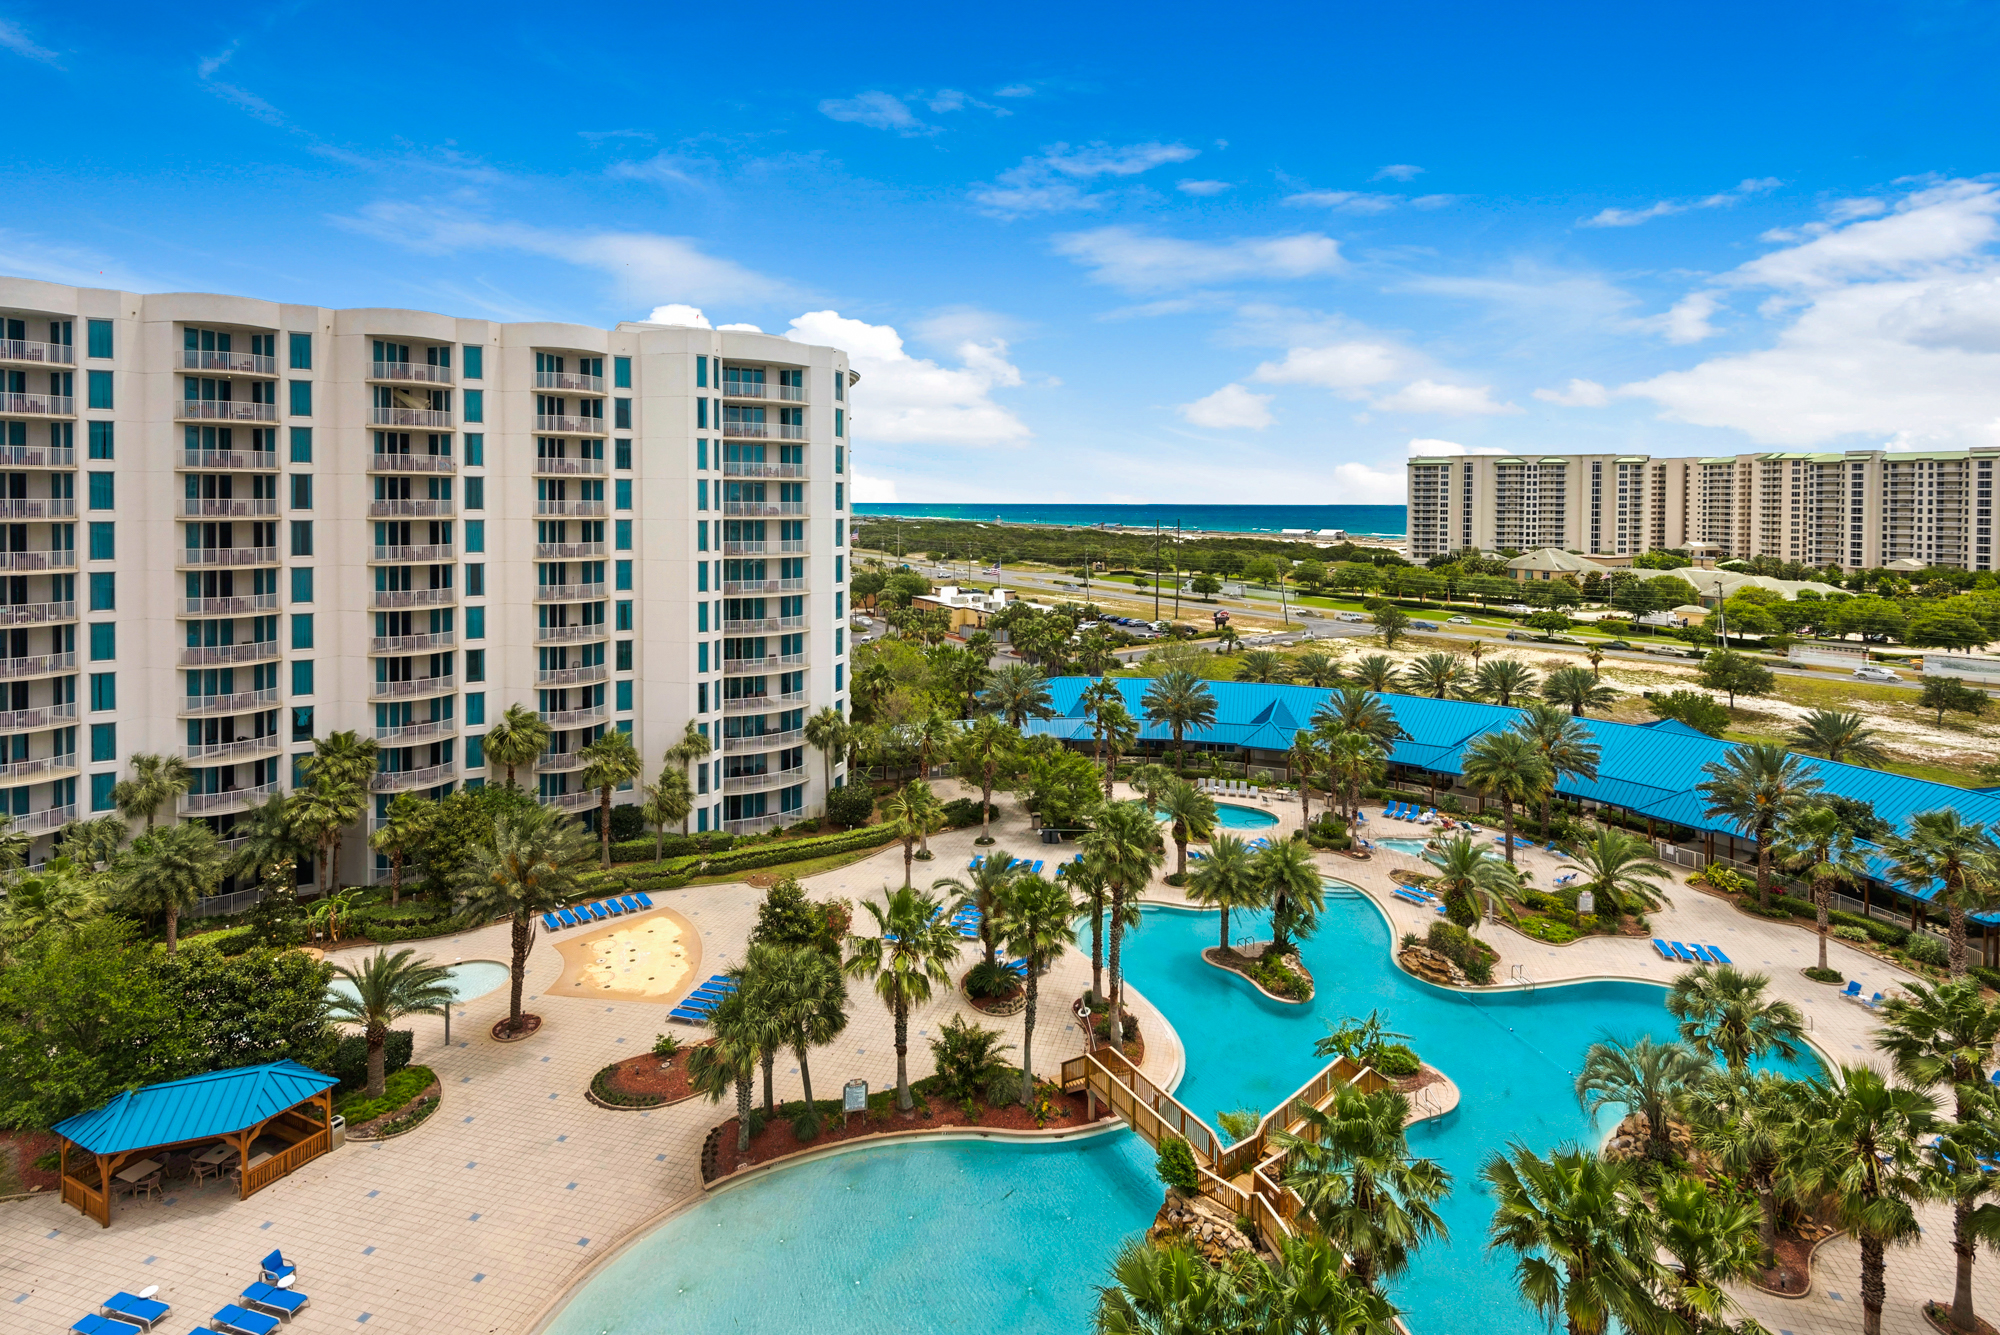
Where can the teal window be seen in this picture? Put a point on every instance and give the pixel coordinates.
(99, 334)
(302, 444)
(100, 389)
(475, 665)
(101, 436)
(839, 601)
(701, 493)
(300, 778)
(302, 398)
(103, 741)
(700, 454)
(302, 491)
(701, 577)
(103, 591)
(302, 630)
(840, 458)
(839, 640)
(475, 362)
(837, 675)
(475, 752)
(302, 352)
(302, 584)
(302, 676)
(839, 384)
(701, 372)
(103, 641)
(475, 493)
(475, 449)
(102, 492)
(624, 656)
(701, 535)
(475, 579)
(624, 697)
(475, 405)
(302, 723)
(701, 656)
(624, 575)
(621, 491)
(701, 616)
(621, 373)
(302, 537)
(840, 421)
(475, 623)
(840, 495)
(621, 414)
(475, 535)
(103, 692)
(624, 614)
(839, 528)
(701, 413)
(101, 786)
(621, 454)
(475, 707)
(837, 576)
(622, 530)
(103, 542)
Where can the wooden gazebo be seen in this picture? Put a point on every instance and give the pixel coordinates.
(284, 1101)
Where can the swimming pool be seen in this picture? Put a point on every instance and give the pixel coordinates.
(1413, 847)
(467, 979)
(837, 1244)
(1232, 817)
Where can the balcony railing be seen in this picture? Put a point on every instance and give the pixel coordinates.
(230, 461)
(427, 554)
(192, 804)
(763, 586)
(42, 354)
(569, 593)
(225, 410)
(763, 625)
(750, 667)
(743, 468)
(571, 380)
(763, 741)
(242, 702)
(259, 651)
(759, 824)
(49, 818)
(760, 783)
(411, 507)
(576, 801)
(37, 560)
(570, 676)
(759, 704)
(411, 644)
(233, 750)
(38, 456)
(567, 467)
(229, 363)
(763, 389)
(54, 507)
(229, 556)
(402, 690)
(412, 732)
(570, 551)
(37, 665)
(428, 777)
(564, 424)
(385, 461)
(46, 767)
(413, 373)
(585, 508)
(576, 718)
(38, 405)
(31, 720)
(764, 430)
(428, 419)
(412, 597)
(36, 614)
(558, 762)
(232, 507)
(570, 634)
(753, 509)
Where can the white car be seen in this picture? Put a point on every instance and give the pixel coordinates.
(1875, 674)
(1353, 616)
(1458, 621)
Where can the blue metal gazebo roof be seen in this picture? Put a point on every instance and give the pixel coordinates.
(199, 1107)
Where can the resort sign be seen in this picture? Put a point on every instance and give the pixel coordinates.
(854, 1097)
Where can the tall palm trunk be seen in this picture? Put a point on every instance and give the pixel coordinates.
(1507, 825)
(1225, 928)
(909, 855)
(903, 1100)
(604, 826)
(396, 877)
(523, 939)
(770, 1059)
(1180, 848)
(1097, 950)
(1117, 940)
(1028, 1043)
(1305, 798)
(1873, 1289)
(1821, 894)
(1764, 1179)
(378, 1039)
(173, 928)
(1763, 869)
(1963, 1245)
(742, 1114)
(805, 1075)
(1956, 910)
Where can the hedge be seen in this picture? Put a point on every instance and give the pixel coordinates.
(673, 846)
(228, 940)
(676, 872)
(1881, 933)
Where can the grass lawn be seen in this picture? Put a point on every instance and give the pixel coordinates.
(804, 868)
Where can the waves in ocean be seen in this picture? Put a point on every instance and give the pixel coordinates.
(1363, 520)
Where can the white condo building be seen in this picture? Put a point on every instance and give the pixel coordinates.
(1859, 510)
(232, 526)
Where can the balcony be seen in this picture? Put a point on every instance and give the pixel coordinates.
(210, 655)
(36, 614)
(428, 777)
(761, 783)
(750, 667)
(37, 405)
(31, 720)
(741, 468)
(558, 762)
(569, 593)
(229, 363)
(397, 734)
(570, 634)
(37, 665)
(38, 354)
(569, 801)
(577, 718)
(765, 548)
(419, 509)
(410, 373)
(231, 461)
(763, 389)
(550, 424)
(763, 586)
(37, 456)
(757, 509)
(40, 822)
(570, 551)
(567, 467)
(570, 380)
(229, 556)
(759, 704)
(384, 461)
(227, 508)
(412, 597)
(763, 431)
(241, 748)
(55, 507)
(207, 706)
(28, 771)
(758, 824)
(411, 644)
(584, 508)
(572, 676)
(423, 419)
(435, 553)
(763, 741)
(37, 560)
(763, 625)
(194, 804)
(420, 686)
(225, 410)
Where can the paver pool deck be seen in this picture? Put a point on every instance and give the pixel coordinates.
(478, 1222)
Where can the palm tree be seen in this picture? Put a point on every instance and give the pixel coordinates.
(911, 952)
(167, 871)
(1301, 759)
(271, 838)
(693, 747)
(1856, 1154)
(985, 889)
(1120, 731)
(343, 757)
(1957, 1168)
(1578, 1230)
(1227, 879)
(1377, 673)
(1470, 880)
(1170, 1290)
(829, 734)
(668, 801)
(1618, 869)
(1035, 920)
(1741, 1121)
(915, 811)
(402, 832)
(1316, 667)
(1941, 1035)
(1352, 759)
(984, 748)
(1291, 883)
(529, 865)
(1504, 681)
(388, 988)
(1179, 700)
(1017, 693)
(1508, 766)
(729, 1063)
(805, 993)
(1711, 1236)
(1192, 813)
(1263, 665)
(1814, 843)
(1839, 736)
(1644, 1077)
(336, 796)
(1595, 657)
(611, 761)
(1086, 876)
(1092, 701)
(1956, 854)
(1357, 709)
(155, 781)
(1577, 690)
(929, 735)
(1755, 787)
(1364, 1191)
(517, 739)
(1125, 842)
(1567, 747)
(1438, 675)
(1723, 1009)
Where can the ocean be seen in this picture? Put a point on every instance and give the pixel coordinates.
(1387, 521)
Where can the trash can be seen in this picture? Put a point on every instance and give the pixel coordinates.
(339, 1136)
(1051, 836)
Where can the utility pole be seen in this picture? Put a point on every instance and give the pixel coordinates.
(1177, 570)
(1156, 570)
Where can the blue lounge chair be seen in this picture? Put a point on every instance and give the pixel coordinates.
(1700, 954)
(147, 1312)
(1036, 870)
(686, 1016)
(1994, 1078)
(103, 1325)
(1853, 989)
(974, 864)
(1565, 880)
(1718, 956)
(566, 918)
(631, 904)
(723, 981)
(243, 1322)
(1682, 953)
(551, 922)
(284, 1303)
(613, 907)
(1661, 946)
(1411, 897)
(1389, 811)
(596, 912)
(1874, 1001)
(274, 1267)
(644, 902)
(1019, 968)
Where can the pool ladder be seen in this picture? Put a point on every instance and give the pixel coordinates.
(1516, 975)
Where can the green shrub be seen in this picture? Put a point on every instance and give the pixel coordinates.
(987, 981)
(963, 811)
(1725, 880)
(967, 1057)
(1819, 975)
(1990, 977)
(1555, 933)
(1003, 1088)
(229, 940)
(673, 846)
(1278, 978)
(1882, 933)
(1849, 933)
(627, 824)
(666, 1045)
(397, 1090)
(1395, 1060)
(1176, 1166)
(350, 1058)
(851, 806)
(1459, 946)
(1927, 949)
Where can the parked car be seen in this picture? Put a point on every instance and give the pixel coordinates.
(1875, 672)
(1353, 616)
(1458, 621)
(1668, 650)
(1519, 635)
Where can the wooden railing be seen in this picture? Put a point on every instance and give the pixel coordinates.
(84, 1198)
(285, 1161)
(1151, 1111)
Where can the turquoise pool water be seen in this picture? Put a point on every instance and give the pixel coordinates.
(970, 1235)
(469, 979)
(1232, 817)
(1413, 847)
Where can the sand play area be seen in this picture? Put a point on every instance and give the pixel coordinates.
(646, 957)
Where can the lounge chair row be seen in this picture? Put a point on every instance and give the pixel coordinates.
(1423, 899)
(578, 914)
(1409, 811)
(258, 1309)
(1853, 993)
(701, 1003)
(1020, 864)
(1520, 841)
(1229, 788)
(1674, 950)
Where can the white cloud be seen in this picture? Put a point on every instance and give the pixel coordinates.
(1202, 187)
(1576, 394)
(1141, 261)
(741, 328)
(1419, 446)
(1358, 484)
(911, 400)
(878, 111)
(1015, 90)
(1342, 201)
(1398, 171)
(1229, 408)
(1723, 199)
(1347, 368)
(1687, 320)
(1433, 201)
(675, 313)
(1432, 396)
(15, 38)
(872, 490)
(1056, 180)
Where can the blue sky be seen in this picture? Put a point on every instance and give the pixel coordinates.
(1098, 253)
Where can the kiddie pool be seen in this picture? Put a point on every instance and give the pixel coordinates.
(466, 979)
(1232, 817)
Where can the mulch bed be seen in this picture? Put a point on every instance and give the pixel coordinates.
(1939, 1315)
(18, 1152)
(1792, 1276)
(776, 1139)
(1013, 1003)
(651, 1081)
(366, 1130)
(1425, 1075)
(529, 1024)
